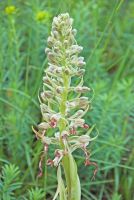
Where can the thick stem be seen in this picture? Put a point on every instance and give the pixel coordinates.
(66, 158)
(62, 127)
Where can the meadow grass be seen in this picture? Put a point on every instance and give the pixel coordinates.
(106, 32)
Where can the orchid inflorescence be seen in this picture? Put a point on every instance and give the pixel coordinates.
(62, 103)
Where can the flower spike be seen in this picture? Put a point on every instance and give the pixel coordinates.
(63, 106)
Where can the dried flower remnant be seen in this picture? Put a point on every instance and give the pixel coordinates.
(63, 106)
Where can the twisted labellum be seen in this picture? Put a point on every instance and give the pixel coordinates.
(63, 106)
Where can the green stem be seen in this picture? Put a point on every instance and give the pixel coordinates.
(62, 127)
(66, 159)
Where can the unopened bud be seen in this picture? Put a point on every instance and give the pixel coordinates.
(56, 49)
(66, 43)
(81, 63)
(79, 122)
(46, 80)
(46, 94)
(50, 41)
(51, 56)
(77, 114)
(46, 116)
(55, 33)
(80, 58)
(47, 50)
(55, 21)
(83, 102)
(67, 71)
(81, 72)
(76, 49)
(43, 126)
(74, 32)
(71, 21)
(46, 140)
(84, 139)
(66, 16)
(71, 104)
(58, 44)
(82, 89)
(84, 98)
(59, 90)
(58, 70)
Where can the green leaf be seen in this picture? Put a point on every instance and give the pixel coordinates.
(74, 179)
(36, 193)
(61, 187)
(9, 181)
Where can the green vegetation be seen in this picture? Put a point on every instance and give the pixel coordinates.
(105, 30)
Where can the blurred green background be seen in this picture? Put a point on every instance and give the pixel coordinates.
(106, 31)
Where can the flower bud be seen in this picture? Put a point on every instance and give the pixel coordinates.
(51, 69)
(55, 21)
(58, 70)
(51, 56)
(74, 32)
(81, 62)
(67, 71)
(46, 94)
(56, 49)
(84, 98)
(47, 50)
(58, 44)
(50, 41)
(43, 126)
(77, 122)
(46, 140)
(76, 49)
(84, 139)
(82, 89)
(64, 134)
(78, 114)
(59, 90)
(46, 116)
(71, 104)
(46, 80)
(66, 43)
(66, 16)
(55, 34)
(80, 72)
(83, 102)
(44, 108)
